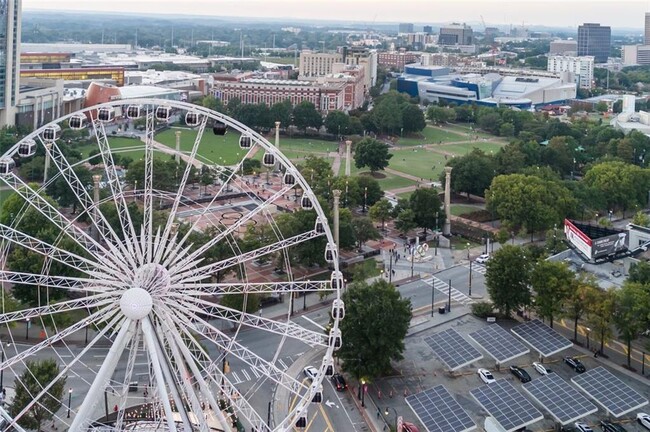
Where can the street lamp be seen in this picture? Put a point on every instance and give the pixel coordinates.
(588, 331)
(437, 239)
(386, 414)
(69, 400)
(363, 393)
(470, 270)
(365, 198)
(26, 328)
(346, 194)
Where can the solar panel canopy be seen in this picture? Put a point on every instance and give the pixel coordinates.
(559, 398)
(438, 411)
(499, 344)
(507, 405)
(542, 338)
(452, 349)
(609, 391)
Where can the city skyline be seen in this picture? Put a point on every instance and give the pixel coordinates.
(556, 13)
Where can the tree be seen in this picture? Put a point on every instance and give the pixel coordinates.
(305, 115)
(472, 173)
(250, 166)
(506, 130)
(207, 177)
(281, 111)
(364, 230)
(600, 313)
(439, 114)
(427, 209)
(373, 331)
(576, 304)
(336, 123)
(601, 107)
(38, 374)
(369, 187)
(529, 201)
(213, 103)
(553, 283)
(412, 118)
(247, 303)
(387, 115)
(405, 221)
(623, 185)
(631, 313)
(381, 212)
(507, 278)
(640, 273)
(372, 154)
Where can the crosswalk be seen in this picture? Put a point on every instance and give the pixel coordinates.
(479, 268)
(443, 287)
(248, 373)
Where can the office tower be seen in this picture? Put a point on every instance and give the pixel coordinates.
(456, 34)
(594, 40)
(427, 29)
(647, 28)
(10, 18)
(582, 68)
(405, 28)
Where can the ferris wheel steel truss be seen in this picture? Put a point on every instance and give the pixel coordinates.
(148, 292)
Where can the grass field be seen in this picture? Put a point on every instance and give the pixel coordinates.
(431, 135)
(462, 149)
(117, 143)
(224, 150)
(4, 194)
(418, 162)
(459, 209)
(308, 145)
(388, 182)
(464, 128)
(281, 60)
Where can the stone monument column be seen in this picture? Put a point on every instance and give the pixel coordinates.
(447, 228)
(177, 156)
(337, 197)
(348, 152)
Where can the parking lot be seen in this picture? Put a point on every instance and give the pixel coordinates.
(422, 371)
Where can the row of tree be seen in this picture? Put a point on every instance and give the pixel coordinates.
(520, 278)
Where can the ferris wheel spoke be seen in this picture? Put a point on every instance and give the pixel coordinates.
(95, 301)
(147, 229)
(194, 274)
(65, 371)
(93, 395)
(196, 289)
(290, 329)
(70, 259)
(212, 374)
(67, 283)
(181, 190)
(101, 315)
(182, 373)
(229, 230)
(123, 391)
(86, 201)
(126, 223)
(109, 256)
(228, 344)
(152, 347)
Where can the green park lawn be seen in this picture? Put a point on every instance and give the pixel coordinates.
(462, 149)
(4, 194)
(460, 209)
(387, 182)
(431, 135)
(464, 128)
(308, 145)
(421, 163)
(118, 145)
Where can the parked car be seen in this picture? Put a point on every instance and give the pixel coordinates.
(339, 382)
(583, 427)
(575, 364)
(568, 428)
(541, 369)
(644, 420)
(310, 372)
(482, 259)
(607, 426)
(520, 373)
(486, 376)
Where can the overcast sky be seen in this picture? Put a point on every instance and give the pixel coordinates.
(622, 14)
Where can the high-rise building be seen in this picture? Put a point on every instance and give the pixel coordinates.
(427, 29)
(635, 55)
(594, 40)
(456, 34)
(582, 68)
(563, 47)
(647, 28)
(405, 28)
(10, 19)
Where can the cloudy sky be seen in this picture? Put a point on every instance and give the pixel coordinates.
(569, 13)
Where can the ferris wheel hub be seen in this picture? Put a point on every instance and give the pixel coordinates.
(153, 278)
(136, 303)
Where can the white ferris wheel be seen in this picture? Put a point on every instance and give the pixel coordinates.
(151, 302)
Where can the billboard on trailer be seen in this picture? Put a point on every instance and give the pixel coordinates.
(609, 245)
(580, 240)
